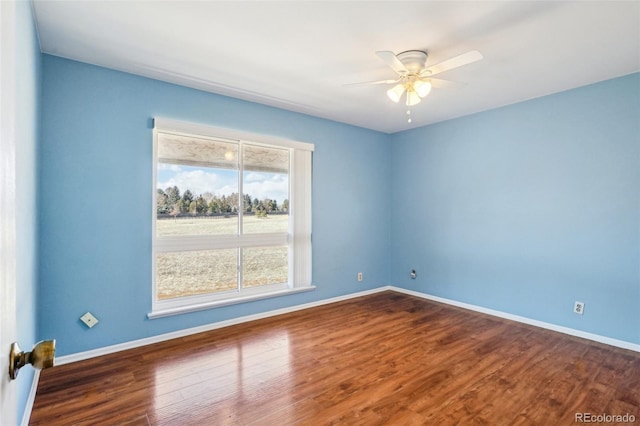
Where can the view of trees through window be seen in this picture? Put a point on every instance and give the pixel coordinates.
(172, 202)
(182, 206)
(218, 193)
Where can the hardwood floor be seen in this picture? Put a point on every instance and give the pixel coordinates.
(386, 358)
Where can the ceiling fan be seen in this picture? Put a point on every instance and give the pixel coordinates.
(415, 78)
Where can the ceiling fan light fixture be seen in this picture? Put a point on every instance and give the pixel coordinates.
(412, 98)
(422, 88)
(415, 78)
(395, 93)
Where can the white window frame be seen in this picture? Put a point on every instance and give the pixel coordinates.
(298, 237)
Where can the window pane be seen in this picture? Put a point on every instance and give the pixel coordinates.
(191, 273)
(194, 151)
(264, 265)
(266, 189)
(197, 186)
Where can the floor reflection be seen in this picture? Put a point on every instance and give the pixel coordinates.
(229, 374)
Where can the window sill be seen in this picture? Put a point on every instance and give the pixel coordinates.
(160, 313)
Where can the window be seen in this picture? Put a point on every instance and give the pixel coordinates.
(231, 219)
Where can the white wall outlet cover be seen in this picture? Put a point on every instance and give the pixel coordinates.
(578, 308)
(89, 319)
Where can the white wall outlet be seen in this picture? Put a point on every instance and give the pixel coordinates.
(89, 319)
(578, 308)
(359, 276)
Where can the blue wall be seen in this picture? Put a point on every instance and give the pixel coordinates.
(522, 209)
(527, 208)
(95, 201)
(28, 69)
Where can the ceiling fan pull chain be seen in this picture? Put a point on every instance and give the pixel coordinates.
(408, 109)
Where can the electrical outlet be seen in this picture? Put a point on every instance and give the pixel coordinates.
(89, 319)
(578, 308)
(359, 276)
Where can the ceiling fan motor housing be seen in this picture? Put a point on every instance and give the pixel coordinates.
(413, 60)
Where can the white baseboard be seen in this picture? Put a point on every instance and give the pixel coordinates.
(549, 326)
(66, 359)
(30, 399)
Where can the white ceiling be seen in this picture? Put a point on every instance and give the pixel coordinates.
(299, 55)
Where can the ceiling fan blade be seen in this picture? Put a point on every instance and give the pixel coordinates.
(392, 60)
(374, 82)
(455, 62)
(438, 83)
